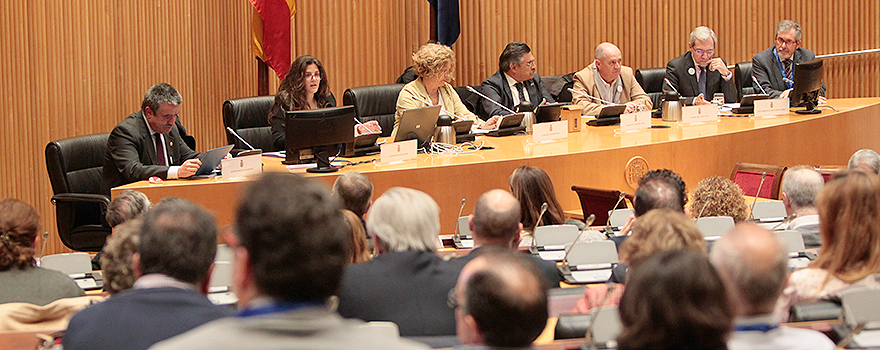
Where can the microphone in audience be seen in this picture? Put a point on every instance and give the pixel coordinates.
(471, 89)
(608, 230)
(758, 85)
(460, 209)
(586, 95)
(244, 153)
(593, 315)
(708, 197)
(787, 220)
(670, 85)
(760, 185)
(589, 222)
(538, 223)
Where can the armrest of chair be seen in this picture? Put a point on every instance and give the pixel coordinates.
(81, 198)
(571, 326)
(75, 209)
(821, 310)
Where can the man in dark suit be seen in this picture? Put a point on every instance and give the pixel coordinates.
(147, 143)
(173, 264)
(496, 222)
(407, 283)
(515, 81)
(773, 68)
(699, 74)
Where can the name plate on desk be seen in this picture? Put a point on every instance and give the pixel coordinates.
(771, 108)
(242, 166)
(398, 152)
(635, 121)
(548, 132)
(699, 114)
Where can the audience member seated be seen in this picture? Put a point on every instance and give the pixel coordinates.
(435, 65)
(126, 206)
(406, 283)
(116, 258)
(849, 208)
(674, 300)
(532, 188)
(500, 301)
(719, 196)
(800, 186)
(20, 278)
(495, 223)
(866, 160)
(173, 264)
(514, 82)
(754, 267)
(290, 246)
(661, 188)
(656, 231)
(358, 249)
(355, 191)
(304, 87)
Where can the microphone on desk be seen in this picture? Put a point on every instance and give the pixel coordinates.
(471, 89)
(706, 204)
(670, 85)
(538, 223)
(246, 152)
(609, 232)
(752, 209)
(460, 209)
(787, 220)
(586, 95)
(755, 80)
(588, 222)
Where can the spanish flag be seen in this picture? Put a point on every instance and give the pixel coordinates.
(271, 32)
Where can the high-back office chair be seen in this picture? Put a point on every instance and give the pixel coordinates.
(599, 202)
(558, 85)
(748, 177)
(374, 102)
(651, 80)
(249, 117)
(742, 76)
(828, 171)
(470, 99)
(81, 197)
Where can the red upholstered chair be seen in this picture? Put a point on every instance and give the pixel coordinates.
(599, 202)
(828, 171)
(748, 177)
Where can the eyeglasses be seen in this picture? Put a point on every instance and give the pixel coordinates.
(781, 41)
(706, 52)
(308, 75)
(451, 300)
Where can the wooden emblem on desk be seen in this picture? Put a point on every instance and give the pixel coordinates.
(636, 167)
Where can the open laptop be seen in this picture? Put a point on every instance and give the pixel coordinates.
(211, 159)
(418, 124)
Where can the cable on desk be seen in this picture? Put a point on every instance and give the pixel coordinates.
(451, 150)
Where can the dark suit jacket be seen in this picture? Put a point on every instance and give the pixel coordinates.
(765, 69)
(496, 88)
(677, 72)
(408, 288)
(131, 156)
(138, 318)
(279, 132)
(547, 268)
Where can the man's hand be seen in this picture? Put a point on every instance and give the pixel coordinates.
(631, 107)
(717, 64)
(625, 230)
(492, 123)
(370, 127)
(189, 168)
(699, 100)
(785, 93)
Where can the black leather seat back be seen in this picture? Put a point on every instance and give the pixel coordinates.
(470, 99)
(76, 164)
(558, 85)
(742, 74)
(651, 80)
(249, 117)
(374, 102)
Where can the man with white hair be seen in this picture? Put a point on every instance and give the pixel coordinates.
(800, 186)
(608, 79)
(699, 74)
(407, 283)
(754, 267)
(865, 160)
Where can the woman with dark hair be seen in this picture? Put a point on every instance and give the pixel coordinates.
(304, 87)
(20, 278)
(674, 300)
(532, 188)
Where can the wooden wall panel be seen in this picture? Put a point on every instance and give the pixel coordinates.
(73, 68)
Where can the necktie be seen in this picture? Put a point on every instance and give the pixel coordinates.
(519, 89)
(786, 63)
(702, 80)
(160, 149)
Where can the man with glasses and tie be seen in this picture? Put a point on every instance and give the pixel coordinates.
(515, 82)
(773, 68)
(698, 74)
(147, 143)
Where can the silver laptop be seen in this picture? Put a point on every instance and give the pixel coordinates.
(418, 124)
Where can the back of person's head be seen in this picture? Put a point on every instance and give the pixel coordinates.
(404, 219)
(849, 208)
(496, 217)
(126, 206)
(754, 265)
(719, 196)
(503, 294)
(660, 189)
(358, 249)
(355, 192)
(158, 94)
(295, 237)
(116, 256)
(19, 223)
(512, 54)
(674, 300)
(800, 186)
(865, 160)
(669, 177)
(660, 230)
(179, 240)
(532, 188)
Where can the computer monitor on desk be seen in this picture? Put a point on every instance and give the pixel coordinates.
(315, 135)
(807, 84)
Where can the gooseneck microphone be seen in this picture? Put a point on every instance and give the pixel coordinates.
(538, 223)
(588, 222)
(608, 230)
(471, 89)
(233, 133)
(755, 80)
(460, 209)
(787, 220)
(760, 185)
(587, 95)
(706, 204)
(670, 85)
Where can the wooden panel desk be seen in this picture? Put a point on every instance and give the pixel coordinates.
(594, 157)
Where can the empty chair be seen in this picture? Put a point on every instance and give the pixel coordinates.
(374, 102)
(249, 118)
(599, 202)
(651, 80)
(712, 227)
(828, 171)
(769, 211)
(742, 76)
(748, 177)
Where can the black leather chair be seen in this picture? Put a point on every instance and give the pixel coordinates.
(249, 117)
(81, 195)
(470, 99)
(558, 85)
(742, 75)
(374, 102)
(651, 80)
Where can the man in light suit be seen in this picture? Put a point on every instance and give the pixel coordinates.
(515, 81)
(606, 78)
(699, 74)
(773, 68)
(136, 143)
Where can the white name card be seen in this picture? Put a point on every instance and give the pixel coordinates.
(398, 152)
(771, 108)
(699, 114)
(242, 166)
(635, 121)
(547, 132)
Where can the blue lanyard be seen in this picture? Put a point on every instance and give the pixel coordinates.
(274, 308)
(763, 327)
(782, 70)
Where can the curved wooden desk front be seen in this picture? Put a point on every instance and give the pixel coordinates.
(594, 157)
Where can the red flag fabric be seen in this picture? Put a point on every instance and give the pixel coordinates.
(271, 32)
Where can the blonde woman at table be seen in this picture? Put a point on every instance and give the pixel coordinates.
(435, 64)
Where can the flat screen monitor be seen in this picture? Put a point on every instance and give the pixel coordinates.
(314, 135)
(807, 83)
